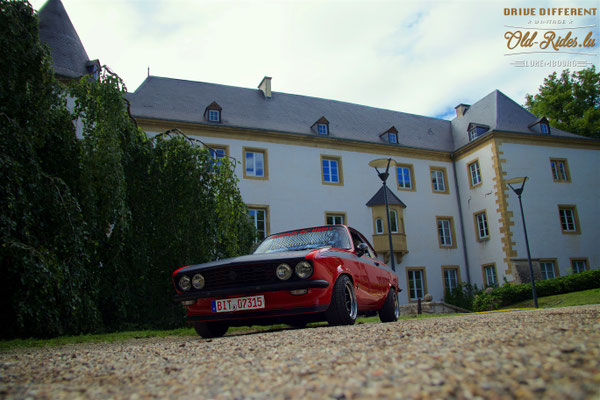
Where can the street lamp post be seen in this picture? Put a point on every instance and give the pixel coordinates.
(518, 192)
(386, 163)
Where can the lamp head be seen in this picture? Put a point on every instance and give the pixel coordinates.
(382, 163)
(516, 181)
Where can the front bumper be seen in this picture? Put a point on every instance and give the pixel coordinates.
(244, 290)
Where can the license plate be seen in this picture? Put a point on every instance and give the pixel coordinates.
(238, 304)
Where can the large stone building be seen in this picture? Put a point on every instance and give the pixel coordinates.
(304, 161)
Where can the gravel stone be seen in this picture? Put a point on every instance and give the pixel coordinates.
(532, 354)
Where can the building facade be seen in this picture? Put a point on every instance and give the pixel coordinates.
(304, 161)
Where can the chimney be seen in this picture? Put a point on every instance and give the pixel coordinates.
(461, 109)
(265, 86)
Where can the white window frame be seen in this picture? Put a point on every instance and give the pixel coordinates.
(449, 286)
(559, 170)
(379, 226)
(251, 164)
(394, 221)
(445, 232)
(393, 137)
(401, 172)
(475, 173)
(323, 129)
(491, 277)
(413, 288)
(337, 219)
(437, 180)
(483, 229)
(328, 177)
(253, 214)
(214, 115)
(578, 265)
(547, 270)
(568, 222)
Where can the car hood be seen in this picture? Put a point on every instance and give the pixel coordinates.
(248, 259)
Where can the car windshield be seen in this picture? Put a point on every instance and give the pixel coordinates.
(306, 239)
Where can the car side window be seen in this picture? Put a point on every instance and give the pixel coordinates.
(356, 240)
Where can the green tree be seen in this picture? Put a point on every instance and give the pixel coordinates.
(571, 102)
(45, 287)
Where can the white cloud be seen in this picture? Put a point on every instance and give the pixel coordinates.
(422, 57)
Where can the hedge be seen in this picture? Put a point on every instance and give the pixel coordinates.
(510, 293)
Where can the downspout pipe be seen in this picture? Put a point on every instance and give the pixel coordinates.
(462, 225)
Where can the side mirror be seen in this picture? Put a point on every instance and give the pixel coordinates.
(361, 249)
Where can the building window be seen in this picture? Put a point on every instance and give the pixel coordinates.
(214, 115)
(394, 221)
(335, 218)
(569, 222)
(393, 137)
(417, 286)
(379, 226)
(476, 130)
(323, 129)
(545, 128)
(579, 265)
(217, 152)
(560, 170)
(255, 164)
(490, 278)
(331, 170)
(548, 270)
(405, 176)
(474, 173)
(259, 217)
(481, 226)
(438, 180)
(451, 278)
(445, 228)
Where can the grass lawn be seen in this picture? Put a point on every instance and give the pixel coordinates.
(584, 297)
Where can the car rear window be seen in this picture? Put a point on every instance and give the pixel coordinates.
(305, 239)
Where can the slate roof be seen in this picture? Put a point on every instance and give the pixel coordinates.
(56, 30)
(180, 100)
(170, 99)
(379, 199)
(500, 113)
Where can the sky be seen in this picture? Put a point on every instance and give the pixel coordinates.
(420, 57)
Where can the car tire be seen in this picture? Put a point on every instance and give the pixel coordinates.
(343, 307)
(209, 330)
(391, 309)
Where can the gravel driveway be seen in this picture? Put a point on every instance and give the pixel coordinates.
(553, 353)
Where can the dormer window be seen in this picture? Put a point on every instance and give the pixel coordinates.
(321, 126)
(390, 136)
(93, 68)
(476, 130)
(212, 113)
(323, 129)
(541, 126)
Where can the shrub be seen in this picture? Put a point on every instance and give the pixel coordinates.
(510, 293)
(461, 296)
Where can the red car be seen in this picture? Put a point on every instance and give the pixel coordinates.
(327, 273)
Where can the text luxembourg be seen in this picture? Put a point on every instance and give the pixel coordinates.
(567, 11)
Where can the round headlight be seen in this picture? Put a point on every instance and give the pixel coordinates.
(198, 281)
(304, 269)
(184, 283)
(283, 272)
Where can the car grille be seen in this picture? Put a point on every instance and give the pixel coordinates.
(229, 277)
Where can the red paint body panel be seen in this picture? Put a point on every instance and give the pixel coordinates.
(372, 281)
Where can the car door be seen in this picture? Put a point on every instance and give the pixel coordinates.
(368, 265)
(377, 273)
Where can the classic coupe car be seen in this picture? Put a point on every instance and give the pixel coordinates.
(328, 273)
